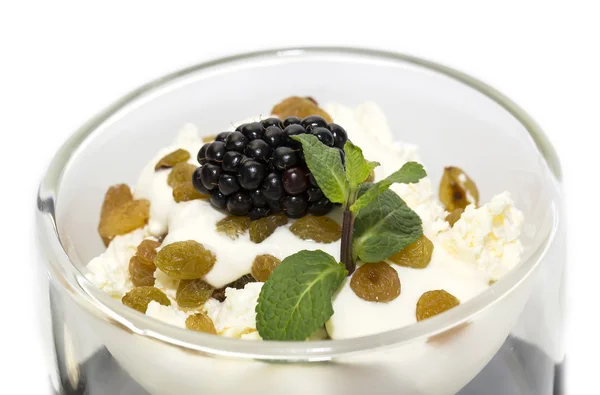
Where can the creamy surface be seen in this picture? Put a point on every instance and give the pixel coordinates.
(152, 185)
(482, 246)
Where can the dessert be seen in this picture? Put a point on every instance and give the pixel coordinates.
(284, 229)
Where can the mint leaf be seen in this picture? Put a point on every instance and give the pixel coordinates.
(296, 300)
(384, 227)
(409, 173)
(326, 166)
(357, 168)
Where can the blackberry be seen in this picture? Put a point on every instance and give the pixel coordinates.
(252, 130)
(236, 141)
(284, 158)
(251, 174)
(239, 204)
(231, 160)
(313, 121)
(315, 194)
(258, 198)
(320, 207)
(259, 150)
(292, 130)
(259, 170)
(295, 181)
(258, 213)
(197, 181)
(291, 121)
(294, 206)
(339, 135)
(209, 174)
(274, 206)
(222, 136)
(324, 135)
(266, 123)
(228, 184)
(273, 187)
(202, 154)
(215, 152)
(218, 200)
(273, 136)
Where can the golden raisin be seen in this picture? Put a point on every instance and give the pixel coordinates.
(116, 196)
(185, 260)
(416, 255)
(240, 283)
(141, 265)
(299, 107)
(193, 293)
(209, 139)
(264, 227)
(123, 219)
(185, 192)
(234, 226)
(139, 298)
(376, 282)
(435, 302)
(200, 322)
(263, 266)
(147, 251)
(457, 190)
(320, 229)
(454, 216)
(181, 172)
(140, 272)
(170, 160)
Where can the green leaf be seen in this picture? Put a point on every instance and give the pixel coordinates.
(409, 173)
(296, 300)
(326, 166)
(385, 227)
(357, 168)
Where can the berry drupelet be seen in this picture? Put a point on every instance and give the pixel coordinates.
(258, 169)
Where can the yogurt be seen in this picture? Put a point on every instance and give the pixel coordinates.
(482, 246)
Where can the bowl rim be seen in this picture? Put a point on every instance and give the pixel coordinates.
(102, 306)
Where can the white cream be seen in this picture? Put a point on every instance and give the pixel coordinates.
(166, 284)
(152, 184)
(110, 270)
(356, 317)
(196, 220)
(169, 314)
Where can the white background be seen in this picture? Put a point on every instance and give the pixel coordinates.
(61, 62)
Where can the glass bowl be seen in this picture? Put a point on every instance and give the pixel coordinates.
(507, 340)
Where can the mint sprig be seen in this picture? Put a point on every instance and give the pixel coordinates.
(296, 300)
(409, 173)
(384, 227)
(342, 186)
(357, 167)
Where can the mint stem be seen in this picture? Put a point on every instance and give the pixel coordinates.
(346, 255)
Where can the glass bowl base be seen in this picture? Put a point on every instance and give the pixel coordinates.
(519, 368)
